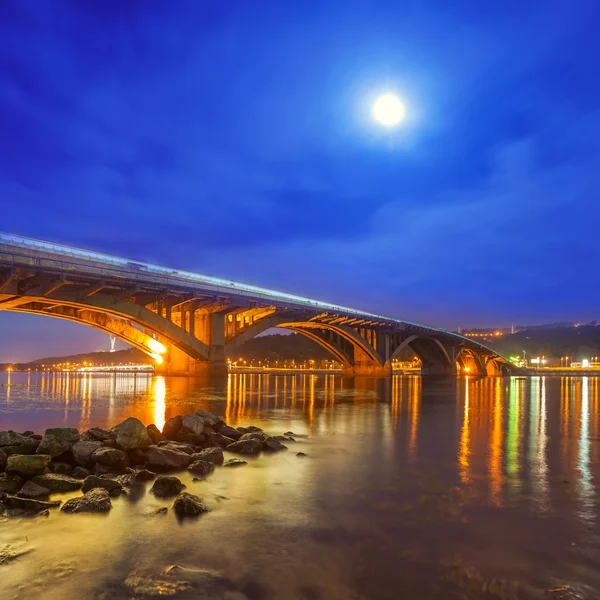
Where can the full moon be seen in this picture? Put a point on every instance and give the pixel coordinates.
(388, 110)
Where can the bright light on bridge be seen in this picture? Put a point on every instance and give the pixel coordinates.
(157, 358)
(156, 346)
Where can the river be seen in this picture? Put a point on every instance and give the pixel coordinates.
(412, 487)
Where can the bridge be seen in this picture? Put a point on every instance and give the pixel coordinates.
(190, 323)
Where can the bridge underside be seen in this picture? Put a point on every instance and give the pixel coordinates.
(194, 334)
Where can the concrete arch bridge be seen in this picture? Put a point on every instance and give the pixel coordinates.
(192, 323)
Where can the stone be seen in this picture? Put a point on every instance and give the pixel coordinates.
(28, 504)
(82, 452)
(166, 486)
(243, 430)
(254, 429)
(234, 462)
(155, 434)
(28, 433)
(217, 439)
(245, 447)
(189, 505)
(300, 454)
(69, 434)
(192, 424)
(137, 457)
(211, 455)
(254, 435)
(3, 459)
(96, 501)
(177, 446)
(201, 468)
(273, 445)
(142, 475)
(29, 446)
(230, 432)
(165, 458)
(33, 490)
(11, 438)
(57, 483)
(61, 467)
(53, 445)
(193, 439)
(10, 484)
(29, 464)
(172, 427)
(111, 458)
(208, 418)
(132, 433)
(98, 435)
(80, 472)
(114, 488)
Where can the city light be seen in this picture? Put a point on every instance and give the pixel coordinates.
(157, 358)
(388, 110)
(156, 346)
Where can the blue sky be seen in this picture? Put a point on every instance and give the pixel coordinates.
(235, 139)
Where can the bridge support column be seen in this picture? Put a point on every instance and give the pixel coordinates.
(364, 365)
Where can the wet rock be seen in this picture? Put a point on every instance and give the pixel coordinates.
(165, 458)
(142, 475)
(114, 488)
(82, 452)
(11, 438)
(211, 455)
(189, 505)
(192, 424)
(165, 486)
(191, 438)
(132, 434)
(10, 552)
(80, 473)
(10, 483)
(201, 468)
(177, 447)
(155, 434)
(28, 465)
(96, 501)
(33, 490)
(3, 459)
(272, 445)
(230, 432)
(234, 462)
(110, 458)
(61, 467)
(163, 510)
(28, 447)
(53, 445)
(57, 483)
(28, 504)
(254, 429)
(98, 435)
(172, 427)
(28, 433)
(245, 447)
(208, 418)
(218, 439)
(300, 454)
(69, 434)
(137, 457)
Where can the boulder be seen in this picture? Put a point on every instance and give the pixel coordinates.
(300, 454)
(10, 484)
(172, 427)
(245, 447)
(273, 445)
(201, 468)
(28, 504)
(114, 488)
(208, 418)
(177, 446)
(57, 483)
(166, 486)
(189, 505)
(61, 467)
(254, 428)
(211, 455)
(80, 473)
(230, 432)
(82, 452)
(137, 457)
(98, 435)
(33, 490)
(11, 438)
(132, 433)
(165, 458)
(193, 439)
(155, 434)
(142, 475)
(28, 433)
(29, 446)
(254, 435)
(28, 464)
(69, 434)
(96, 500)
(192, 424)
(217, 439)
(234, 462)
(3, 459)
(53, 445)
(110, 458)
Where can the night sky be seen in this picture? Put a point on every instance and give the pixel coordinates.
(235, 138)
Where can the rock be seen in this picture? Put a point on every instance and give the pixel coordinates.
(137, 457)
(57, 483)
(3, 459)
(208, 418)
(254, 435)
(10, 484)
(28, 433)
(220, 440)
(96, 500)
(177, 446)
(189, 505)
(201, 468)
(82, 452)
(80, 472)
(98, 435)
(114, 488)
(110, 458)
(254, 429)
(245, 447)
(52, 445)
(166, 486)
(61, 467)
(132, 433)
(273, 445)
(69, 434)
(234, 462)
(28, 504)
(211, 455)
(193, 439)
(28, 447)
(33, 490)
(28, 465)
(230, 432)
(243, 430)
(300, 454)
(35, 436)
(172, 427)
(165, 458)
(10, 552)
(155, 434)
(208, 430)
(192, 424)
(11, 438)
(142, 475)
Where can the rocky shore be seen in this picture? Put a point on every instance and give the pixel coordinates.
(103, 464)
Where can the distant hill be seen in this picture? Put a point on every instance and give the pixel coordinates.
(129, 356)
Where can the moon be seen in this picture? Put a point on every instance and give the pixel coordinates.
(388, 110)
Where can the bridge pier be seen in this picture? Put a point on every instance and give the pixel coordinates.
(176, 362)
